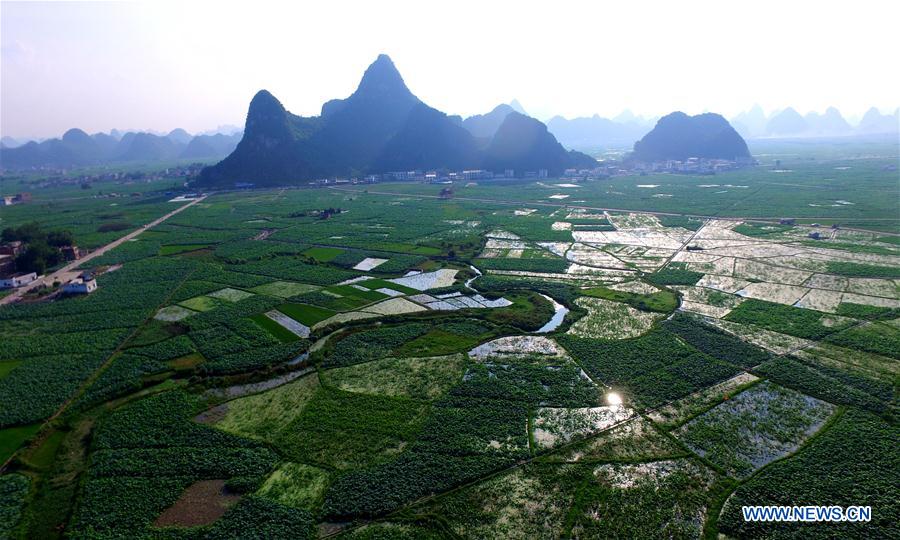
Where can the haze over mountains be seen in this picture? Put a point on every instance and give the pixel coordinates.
(790, 123)
(383, 127)
(595, 132)
(77, 148)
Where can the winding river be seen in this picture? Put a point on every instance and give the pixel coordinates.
(557, 318)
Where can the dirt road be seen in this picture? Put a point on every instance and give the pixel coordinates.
(69, 271)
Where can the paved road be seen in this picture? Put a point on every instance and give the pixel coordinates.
(69, 271)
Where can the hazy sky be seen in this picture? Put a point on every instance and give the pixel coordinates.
(161, 65)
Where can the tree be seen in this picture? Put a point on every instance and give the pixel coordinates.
(60, 238)
(24, 233)
(37, 257)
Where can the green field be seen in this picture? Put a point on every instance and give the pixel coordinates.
(323, 254)
(608, 375)
(305, 314)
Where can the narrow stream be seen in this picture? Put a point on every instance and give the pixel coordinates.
(557, 317)
(470, 280)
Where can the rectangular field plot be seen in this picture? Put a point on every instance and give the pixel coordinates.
(659, 499)
(553, 427)
(680, 410)
(261, 415)
(231, 295)
(873, 337)
(173, 313)
(755, 427)
(298, 329)
(517, 346)
(369, 263)
(773, 292)
(200, 303)
(394, 306)
(650, 370)
(285, 289)
(305, 314)
(296, 485)
(419, 378)
(635, 439)
(528, 502)
(323, 254)
(802, 323)
(611, 320)
(428, 280)
(345, 430)
(854, 462)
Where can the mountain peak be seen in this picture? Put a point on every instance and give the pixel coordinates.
(179, 136)
(382, 79)
(266, 117)
(679, 136)
(264, 100)
(75, 135)
(516, 106)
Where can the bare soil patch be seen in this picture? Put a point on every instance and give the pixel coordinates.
(201, 503)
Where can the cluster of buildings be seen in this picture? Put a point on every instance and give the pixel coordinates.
(604, 169)
(446, 176)
(63, 177)
(692, 165)
(18, 198)
(11, 279)
(433, 176)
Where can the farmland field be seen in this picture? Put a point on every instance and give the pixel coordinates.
(502, 363)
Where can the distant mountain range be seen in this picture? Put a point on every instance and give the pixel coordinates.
(790, 123)
(383, 127)
(77, 148)
(678, 136)
(594, 132)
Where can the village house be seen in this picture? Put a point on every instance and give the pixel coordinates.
(7, 264)
(70, 253)
(13, 249)
(17, 280)
(83, 284)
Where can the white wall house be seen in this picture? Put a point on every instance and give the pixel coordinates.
(81, 285)
(18, 280)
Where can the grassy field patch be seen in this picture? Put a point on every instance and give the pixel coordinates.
(636, 439)
(799, 322)
(853, 463)
(285, 289)
(419, 378)
(660, 499)
(305, 313)
(755, 427)
(281, 333)
(344, 430)
(297, 485)
(661, 301)
(606, 319)
(11, 439)
(528, 502)
(262, 415)
(7, 366)
(323, 254)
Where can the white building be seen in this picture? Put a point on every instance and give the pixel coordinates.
(84, 284)
(17, 280)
